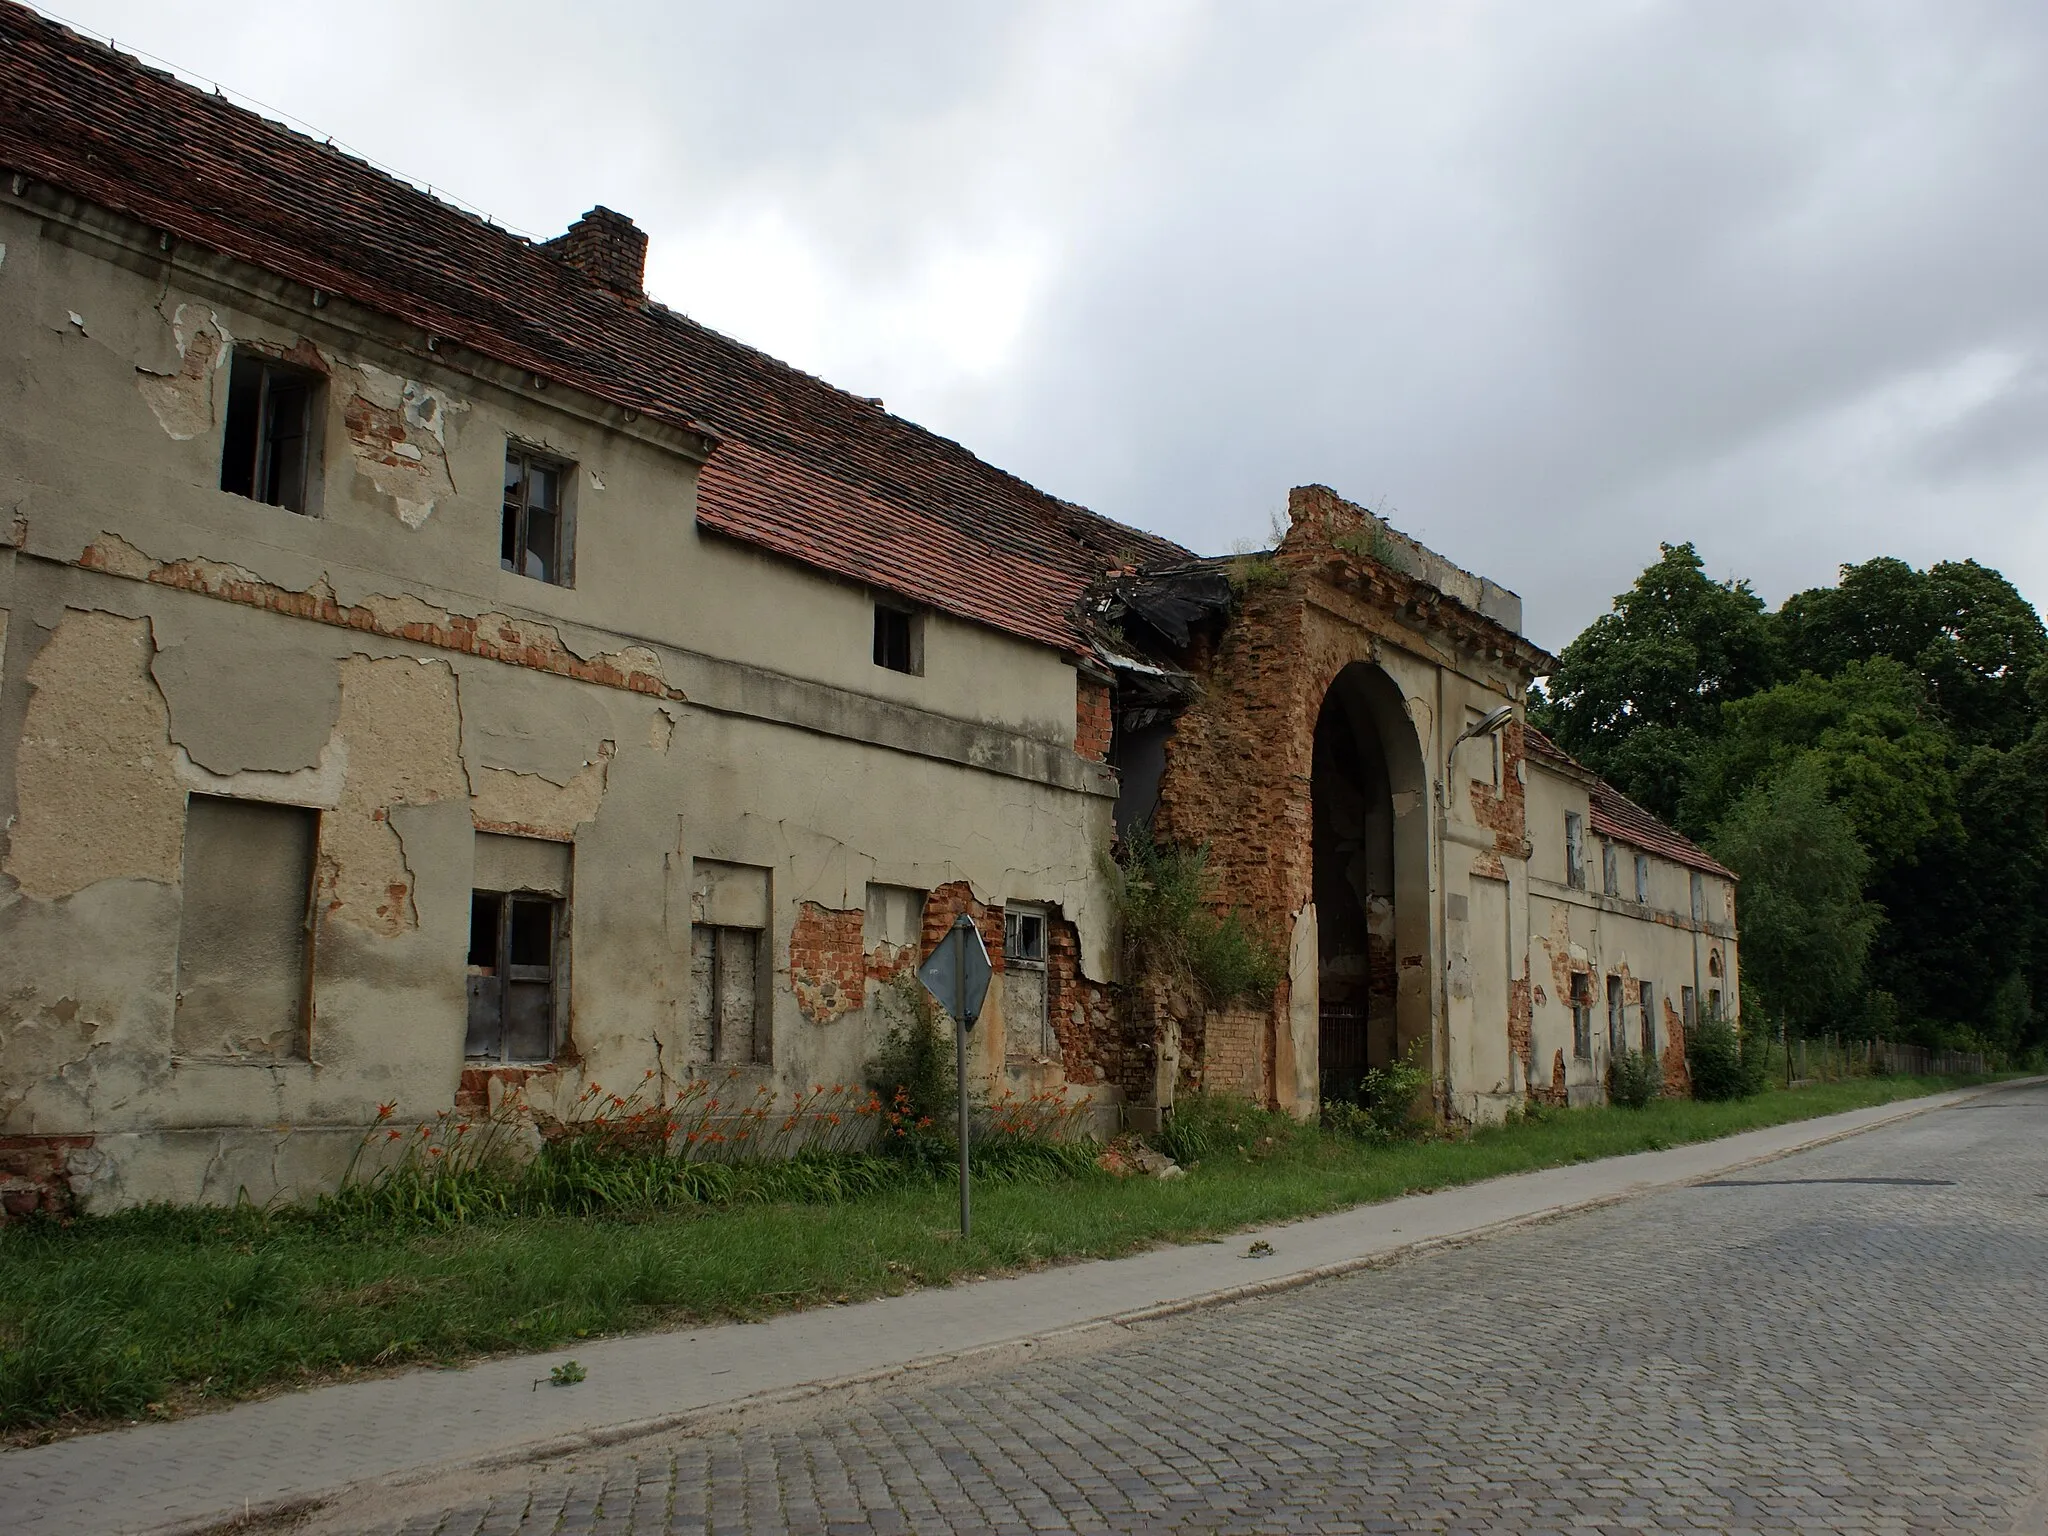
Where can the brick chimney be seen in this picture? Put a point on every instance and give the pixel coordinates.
(609, 246)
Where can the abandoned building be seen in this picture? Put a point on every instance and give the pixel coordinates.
(428, 666)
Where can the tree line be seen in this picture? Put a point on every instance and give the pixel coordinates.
(1871, 758)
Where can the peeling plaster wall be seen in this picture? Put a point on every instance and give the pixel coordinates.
(1585, 930)
(372, 663)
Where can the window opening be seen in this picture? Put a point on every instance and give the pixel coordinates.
(1687, 1009)
(1582, 1015)
(1617, 1033)
(267, 446)
(1574, 851)
(1649, 1019)
(1699, 900)
(533, 536)
(513, 937)
(1713, 1002)
(1643, 878)
(896, 640)
(1610, 868)
(1027, 1021)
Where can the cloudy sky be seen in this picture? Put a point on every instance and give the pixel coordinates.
(1545, 283)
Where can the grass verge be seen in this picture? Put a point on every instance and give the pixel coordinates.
(158, 1310)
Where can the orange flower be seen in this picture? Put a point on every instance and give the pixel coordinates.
(386, 1111)
(393, 1135)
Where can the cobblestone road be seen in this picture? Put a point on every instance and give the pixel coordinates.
(1852, 1339)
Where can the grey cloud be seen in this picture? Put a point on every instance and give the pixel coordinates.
(1550, 283)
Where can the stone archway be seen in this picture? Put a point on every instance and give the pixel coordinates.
(1370, 881)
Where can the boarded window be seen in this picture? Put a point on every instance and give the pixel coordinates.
(518, 946)
(729, 1017)
(1574, 850)
(1617, 1032)
(243, 929)
(1027, 1025)
(1649, 1018)
(267, 450)
(1582, 1015)
(1643, 878)
(1610, 869)
(1699, 899)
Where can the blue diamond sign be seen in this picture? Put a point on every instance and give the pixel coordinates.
(957, 972)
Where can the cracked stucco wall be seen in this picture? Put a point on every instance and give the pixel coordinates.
(374, 665)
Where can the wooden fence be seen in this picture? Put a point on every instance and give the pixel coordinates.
(1825, 1058)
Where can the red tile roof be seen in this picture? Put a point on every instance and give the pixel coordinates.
(1615, 815)
(804, 469)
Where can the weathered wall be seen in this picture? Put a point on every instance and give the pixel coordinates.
(1239, 778)
(1587, 931)
(687, 699)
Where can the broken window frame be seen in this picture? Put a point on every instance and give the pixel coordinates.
(1582, 1015)
(255, 471)
(899, 639)
(515, 525)
(507, 974)
(1026, 933)
(1575, 850)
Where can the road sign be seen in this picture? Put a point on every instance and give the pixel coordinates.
(957, 972)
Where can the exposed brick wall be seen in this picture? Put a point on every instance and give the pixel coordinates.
(1084, 1016)
(473, 1089)
(1504, 811)
(1677, 1075)
(1235, 1052)
(827, 970)
(1092, 717)
(36, 1175)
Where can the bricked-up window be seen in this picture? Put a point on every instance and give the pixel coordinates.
(899, 639)
(244, 930)
(1574, 850)
(1643, 878)
(534, 538)
(1610, 868)
(267, 450)
(1617, 1030)
(1582, 1015)
(1649, 1018)
(729, 1015)
(1026, 1020)
(518, 949)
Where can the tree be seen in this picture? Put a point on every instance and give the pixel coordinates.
(1962, 626)
(1640, 691)
(1806, 927)
(1868, 732)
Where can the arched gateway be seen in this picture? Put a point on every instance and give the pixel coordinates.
(1368, 795)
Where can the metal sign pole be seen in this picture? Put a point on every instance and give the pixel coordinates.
(960, 1081)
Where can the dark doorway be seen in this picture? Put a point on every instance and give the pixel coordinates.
(1353, 814)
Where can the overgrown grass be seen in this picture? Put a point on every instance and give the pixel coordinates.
(158, 1309)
